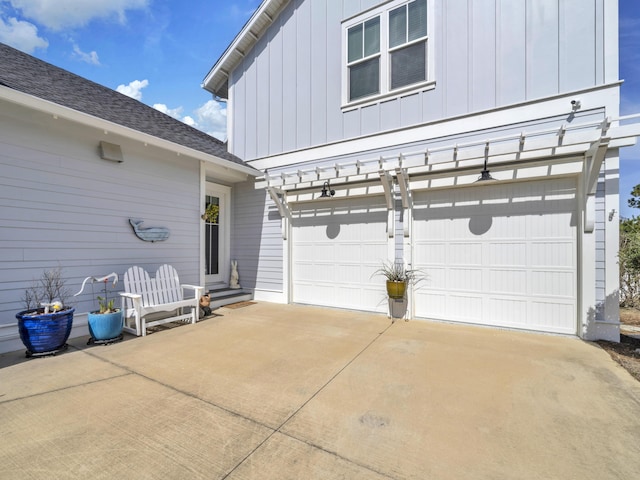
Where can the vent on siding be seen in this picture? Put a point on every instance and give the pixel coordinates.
(111, 151)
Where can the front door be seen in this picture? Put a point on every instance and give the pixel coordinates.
(216, 231)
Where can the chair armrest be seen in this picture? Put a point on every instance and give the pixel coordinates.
(135, 298)
(197, 290)
(132, 296)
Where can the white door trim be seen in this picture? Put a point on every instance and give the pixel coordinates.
(224, 194)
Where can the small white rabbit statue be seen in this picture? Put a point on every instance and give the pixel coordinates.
(233, 281)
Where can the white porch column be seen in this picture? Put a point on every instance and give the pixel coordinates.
(608, 325)
(586, 265)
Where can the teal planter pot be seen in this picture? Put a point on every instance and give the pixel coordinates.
(105, 327)
(45, 333)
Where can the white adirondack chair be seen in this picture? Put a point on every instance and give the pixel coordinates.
(147, 301)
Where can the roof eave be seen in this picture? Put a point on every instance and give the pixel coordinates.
(60, 111)
(217, 79)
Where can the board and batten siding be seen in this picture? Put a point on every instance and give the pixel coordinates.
(287, 91)
(62, 205)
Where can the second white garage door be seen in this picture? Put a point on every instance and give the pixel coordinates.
(499, 254)
(337, 245)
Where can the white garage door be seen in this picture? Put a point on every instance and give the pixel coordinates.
(337, 245)
(499, 254)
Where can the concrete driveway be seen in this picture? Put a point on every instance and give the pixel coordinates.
(292, 392)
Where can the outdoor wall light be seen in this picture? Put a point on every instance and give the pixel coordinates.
(326, 190)
(485, 175)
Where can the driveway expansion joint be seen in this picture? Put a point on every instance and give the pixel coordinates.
(305, 403)
(62, 389)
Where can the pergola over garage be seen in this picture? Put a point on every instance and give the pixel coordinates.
(503, 227)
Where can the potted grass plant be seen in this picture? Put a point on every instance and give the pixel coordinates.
(46, 322)
(398, 278)
(105, 324)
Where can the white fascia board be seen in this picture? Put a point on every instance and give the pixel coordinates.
(60, 111)
(261, 19)
(503, 116)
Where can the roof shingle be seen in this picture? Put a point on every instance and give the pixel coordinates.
(27, 74)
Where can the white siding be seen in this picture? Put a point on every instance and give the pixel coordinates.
(287, 91)
(542, 28)
(483, 53)
(577, 37)
(60, 204)
(256, 239)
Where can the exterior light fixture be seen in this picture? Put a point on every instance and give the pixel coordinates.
(327, 192)
(485, 175)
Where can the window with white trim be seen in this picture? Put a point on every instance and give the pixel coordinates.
(386, 51)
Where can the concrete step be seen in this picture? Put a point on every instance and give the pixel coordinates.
(226, 296)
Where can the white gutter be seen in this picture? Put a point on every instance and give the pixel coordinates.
(60, 111)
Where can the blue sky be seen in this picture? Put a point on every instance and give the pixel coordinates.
(159, 51)
(630, 97)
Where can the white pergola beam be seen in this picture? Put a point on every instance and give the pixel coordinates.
(593, 163)
(387, 185)
(405, 189)
(566, 140)
(280, 199)
(594, 157)
(407, 200)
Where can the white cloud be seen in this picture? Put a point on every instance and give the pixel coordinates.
(61, 14)
(134, 89)
(90, 58)
(21, 35)
(172, 112)
(212, 119)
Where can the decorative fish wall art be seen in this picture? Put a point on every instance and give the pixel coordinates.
(149, 234)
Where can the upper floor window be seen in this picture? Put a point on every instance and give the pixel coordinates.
(386, 51)
(364, 59)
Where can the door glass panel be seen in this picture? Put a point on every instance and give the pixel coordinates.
(212, 238)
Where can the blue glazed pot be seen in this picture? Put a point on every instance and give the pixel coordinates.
(105, 326)
(43, 333)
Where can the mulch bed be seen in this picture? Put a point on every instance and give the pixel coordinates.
(627, 352)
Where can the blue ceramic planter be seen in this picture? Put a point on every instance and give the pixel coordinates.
(105, 326)
(44, 334)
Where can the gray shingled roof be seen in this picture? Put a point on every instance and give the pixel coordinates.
(32, 76)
